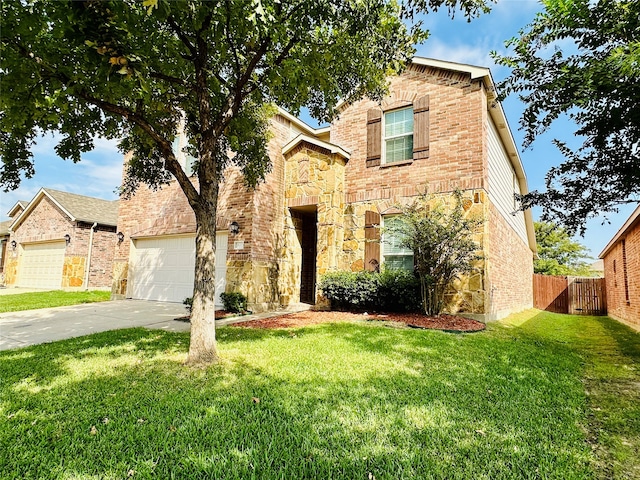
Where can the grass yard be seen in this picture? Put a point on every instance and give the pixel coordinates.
(53, 298)
(535, 398)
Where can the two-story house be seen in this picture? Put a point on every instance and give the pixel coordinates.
(330, 189)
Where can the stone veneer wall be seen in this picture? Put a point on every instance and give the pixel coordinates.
(46, 222)
(11, 266)
(469, 295)
(314, 177)
(618, 307)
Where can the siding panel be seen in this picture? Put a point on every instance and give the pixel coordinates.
(502, 183)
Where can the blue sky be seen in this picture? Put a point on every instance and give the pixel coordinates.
(99, 172)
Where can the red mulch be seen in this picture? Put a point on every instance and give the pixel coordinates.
(448, 323)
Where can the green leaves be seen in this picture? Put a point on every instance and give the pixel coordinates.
(581, 59)
(558, 254)
(440, 233)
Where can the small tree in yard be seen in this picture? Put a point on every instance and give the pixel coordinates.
(143, 70)
(440, 235)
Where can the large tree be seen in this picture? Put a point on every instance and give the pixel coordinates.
(558, 253)
(142, 70)
(581, 59)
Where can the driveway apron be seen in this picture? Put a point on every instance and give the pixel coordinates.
(31, 327)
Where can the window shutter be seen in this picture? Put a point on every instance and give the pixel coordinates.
(421, 128)
(374, 137)
(371, 241)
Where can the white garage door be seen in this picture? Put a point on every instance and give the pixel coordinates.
(41, 265)
(163, 268)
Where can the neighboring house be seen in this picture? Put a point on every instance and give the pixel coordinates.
(622, 272)
(597, 268)
(330, 189)
(4, 241)
(61, 240)
(5, 235)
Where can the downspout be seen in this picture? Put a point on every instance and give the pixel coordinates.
(86, 272)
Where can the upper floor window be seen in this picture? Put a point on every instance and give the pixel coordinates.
(186, 161)
(398, 135)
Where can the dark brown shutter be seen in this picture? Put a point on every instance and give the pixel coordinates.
(371, 241)
(421, 128)
(374, 137)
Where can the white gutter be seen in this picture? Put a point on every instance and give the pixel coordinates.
(86, 272)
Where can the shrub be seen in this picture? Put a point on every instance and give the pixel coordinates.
(399, 291)
(234, 302)
(390, 290)
(188, 303)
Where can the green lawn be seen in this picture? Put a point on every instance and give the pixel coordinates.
(536, 398)
(53, 298)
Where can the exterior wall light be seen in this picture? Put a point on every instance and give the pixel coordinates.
(120, 237)
(14, 244)
(67, 238)
(234, 228)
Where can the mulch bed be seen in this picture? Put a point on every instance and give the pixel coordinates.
(448, 323)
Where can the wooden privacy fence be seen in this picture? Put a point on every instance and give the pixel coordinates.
(574, 295)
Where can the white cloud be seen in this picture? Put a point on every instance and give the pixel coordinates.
(98, 174)
(473, 55)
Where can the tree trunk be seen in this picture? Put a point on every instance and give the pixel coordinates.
(202, 349)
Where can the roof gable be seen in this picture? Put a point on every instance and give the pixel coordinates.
(78, 208)
(18, 208)
(633, 220)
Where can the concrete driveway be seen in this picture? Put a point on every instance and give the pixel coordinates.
(30, 327)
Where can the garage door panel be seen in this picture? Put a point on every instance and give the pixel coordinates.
(41, 265)
(163, 269)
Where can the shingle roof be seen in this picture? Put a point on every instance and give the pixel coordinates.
(86, 209)
(20, 203)
(79, 208)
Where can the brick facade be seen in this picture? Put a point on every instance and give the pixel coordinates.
(258, 212)
(46, 222)
(509, 268)
(622, 273)
(312, 190)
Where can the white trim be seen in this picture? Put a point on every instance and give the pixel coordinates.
(475, 72)
(167, 235)
(300, 123)
(383, 243)
(19, 203)
(620, 233)
(383, 147)
(314, 141)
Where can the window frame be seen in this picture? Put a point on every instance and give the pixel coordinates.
(384, 138)
(185, 160)
(385, 243)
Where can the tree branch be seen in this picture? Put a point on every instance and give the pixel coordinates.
(229, 41)
(183, 38)
(171, 163)
(170, 79)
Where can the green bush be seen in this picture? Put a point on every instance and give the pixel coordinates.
(234, 302)
(188, 303)
(389, 290)
(399, 291)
